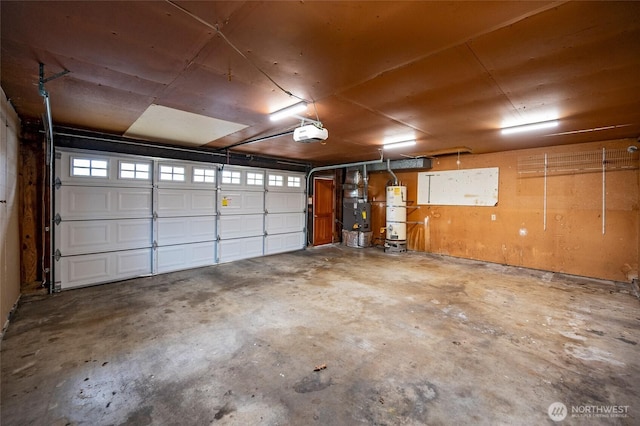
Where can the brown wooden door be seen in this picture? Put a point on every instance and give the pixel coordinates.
(322, 212)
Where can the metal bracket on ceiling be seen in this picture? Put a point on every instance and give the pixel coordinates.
(42, 80)
(304, 120)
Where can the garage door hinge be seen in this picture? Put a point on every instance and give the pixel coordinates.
(57, 183)
(57, 255)
(155, 245)
(57, 219)
(155, 216)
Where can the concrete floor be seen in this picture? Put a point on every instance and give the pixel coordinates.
(407, 339)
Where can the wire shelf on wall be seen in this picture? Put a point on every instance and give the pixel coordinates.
(578, 162)
(603, 161)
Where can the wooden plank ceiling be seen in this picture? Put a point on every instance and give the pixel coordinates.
(449, 73)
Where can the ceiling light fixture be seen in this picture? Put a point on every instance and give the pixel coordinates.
(394, 145)
(529, 127)
(289, 111)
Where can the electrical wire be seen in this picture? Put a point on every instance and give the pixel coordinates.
(216, 28)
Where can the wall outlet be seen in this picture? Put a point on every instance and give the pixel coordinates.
(493, 217)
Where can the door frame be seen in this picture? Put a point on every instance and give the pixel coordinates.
(333, 207)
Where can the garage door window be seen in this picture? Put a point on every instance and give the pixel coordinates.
(204, 175)
(229, 176)
(172, 173)
(89, 167)
(134, 171)
(275, 180)
(293, 181)
(256, 179)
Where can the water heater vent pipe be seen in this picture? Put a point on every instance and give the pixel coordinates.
(395, 178)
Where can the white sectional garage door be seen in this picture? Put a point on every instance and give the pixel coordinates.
(119, 217)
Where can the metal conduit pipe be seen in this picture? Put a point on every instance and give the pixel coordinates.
(333, 167)
(395, 178)
(365, 178)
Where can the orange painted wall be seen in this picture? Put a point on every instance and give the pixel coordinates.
(573, 241)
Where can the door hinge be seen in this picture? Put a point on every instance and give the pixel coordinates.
(57, 219)
(155, 216)
(57, 255)
(57, 183)
(155, 245)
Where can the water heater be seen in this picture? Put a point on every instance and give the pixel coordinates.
(396, 231)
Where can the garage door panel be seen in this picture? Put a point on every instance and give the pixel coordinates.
(138, 201)
(181, 230)
(241, 202)
(203, 201)
(78, 237)
(185, 256)
(285, 202)
(185, 202)
(83, 270)
(78, 202)
(241, 248)
(132, 263)
(281, 223)
(284, 242)
(241, 226)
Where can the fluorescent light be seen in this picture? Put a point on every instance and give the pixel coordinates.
(529, 127)
(395, 145)
(288, 111)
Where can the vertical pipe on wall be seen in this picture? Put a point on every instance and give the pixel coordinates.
(395, 178)
(604, 193)
(365, 178)
(544, 200)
